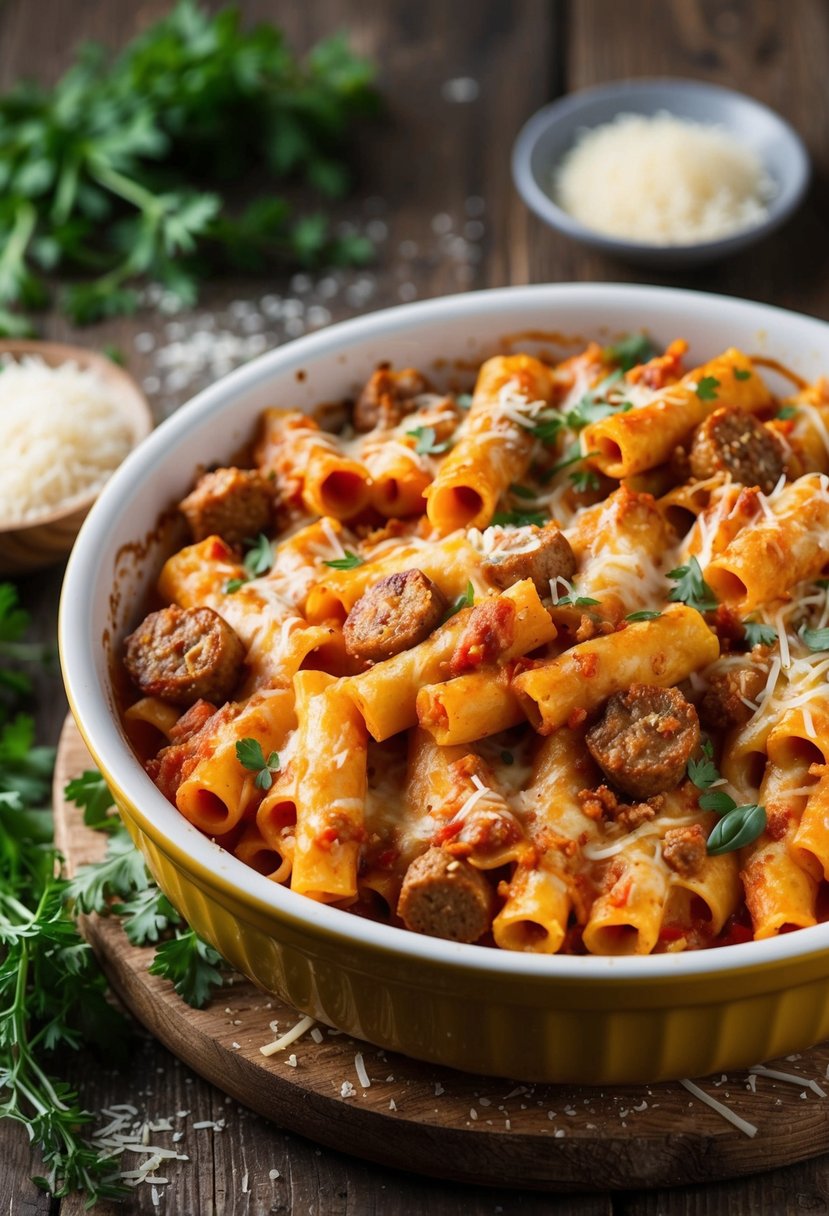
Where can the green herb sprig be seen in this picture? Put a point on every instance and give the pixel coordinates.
(120, 172)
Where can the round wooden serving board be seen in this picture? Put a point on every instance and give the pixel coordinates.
(444, 1123)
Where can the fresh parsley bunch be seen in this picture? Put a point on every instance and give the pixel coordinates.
(120, 173)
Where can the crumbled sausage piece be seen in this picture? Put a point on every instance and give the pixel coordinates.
(541, 554)
(602, 803)
(731, 441)
(644, 739)
(722, 706)
(395, 614)
(685, 849)
(231, 503)
(387, 397)
(183, 655)
(444, 896)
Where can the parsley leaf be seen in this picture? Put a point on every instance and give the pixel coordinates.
(547, 427)
(191, 966)
(816, 639)
(122, 872)
(741, 373)
(522, 492)
(463, 401)
(591, 409)
(644, 615)
(349, 562)
(426, 445)
(788, 411)
(736, 829)
(703, 773)
(233, 584)
(250, 755)
(575, 601)
(717, 800)
(92, 793)
(518, 519)
(585, 480)
(758, 634)
(461, 601)
(706, 390)
(259, 557)
(691, 588)
(146, 915)
(630, 351)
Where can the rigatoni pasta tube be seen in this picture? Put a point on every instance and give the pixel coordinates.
(764, 561)
(299, 454)
(780, 893)
(386, 694)
(469, 707)
(493, 448)
(256, 852)
(662, 651)
(627, 918)
(811, 840)
(627, 443)
(220, 790)
(331, 783)
(537, 908)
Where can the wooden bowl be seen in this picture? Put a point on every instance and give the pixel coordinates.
(44, 539)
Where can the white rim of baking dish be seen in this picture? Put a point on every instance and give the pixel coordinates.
(80, 649)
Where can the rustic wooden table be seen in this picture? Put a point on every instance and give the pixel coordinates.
(436, 193)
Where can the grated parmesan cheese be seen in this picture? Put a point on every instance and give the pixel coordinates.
(60, 436)
(662, 180)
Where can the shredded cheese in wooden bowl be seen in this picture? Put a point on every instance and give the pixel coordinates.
(68, 418)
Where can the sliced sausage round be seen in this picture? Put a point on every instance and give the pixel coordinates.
(644, 739)
(393, 615)
(444, 896)
(232, 503)
(730, 441)
(541, 554)
(387, 396)
(184, 654)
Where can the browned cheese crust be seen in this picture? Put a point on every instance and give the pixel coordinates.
(644, 739)
(551, 558)
(395, 614)
(184, 654)
(444, 896)
(387, 397)
(235, 504)
(729, 441)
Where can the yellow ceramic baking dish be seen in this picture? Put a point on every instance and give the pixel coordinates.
(578, 1019)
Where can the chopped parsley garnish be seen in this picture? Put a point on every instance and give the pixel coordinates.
(572, 456)
(461, 601)
(463, 401)
(518, 519)
(547, 427)
(250, 755)
(816, 639)
(644, 615)
(739, 825)
(349, 562)
(522, 492)
(589, 409)
(707, 388)
(630, 351)
(703, 773)
(233, 584)
(736, 829)
(691, 588)
(788, 411)
(259, 557)
(425, 437)
(575, 601)
(758, 634)
(584, 480)
(741, 373)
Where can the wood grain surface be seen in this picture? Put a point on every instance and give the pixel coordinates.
(426, 159)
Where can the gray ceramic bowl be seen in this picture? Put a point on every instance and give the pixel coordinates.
(552, 131)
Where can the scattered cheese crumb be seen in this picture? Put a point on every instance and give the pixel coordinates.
(290, 1036)
(347, 1090)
